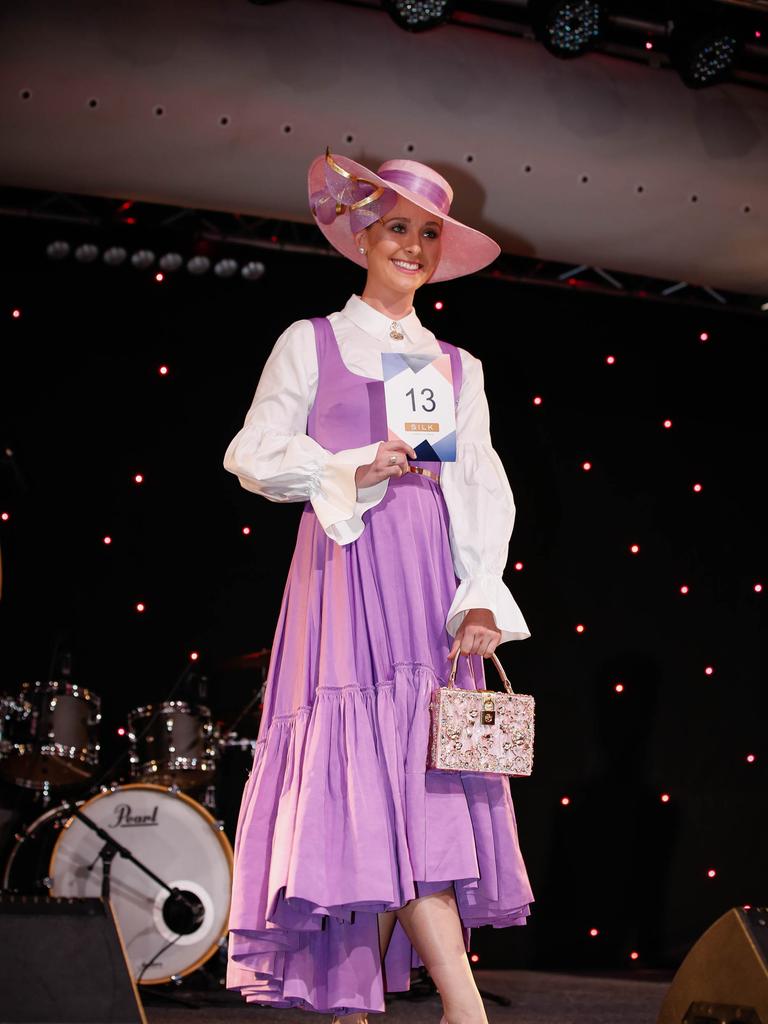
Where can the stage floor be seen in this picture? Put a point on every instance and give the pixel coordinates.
(536, 997)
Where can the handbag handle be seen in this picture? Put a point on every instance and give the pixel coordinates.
(497, 663)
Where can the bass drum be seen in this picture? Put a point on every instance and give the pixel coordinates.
(26, 868)
(172, 835)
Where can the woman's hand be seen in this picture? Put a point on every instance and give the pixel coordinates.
(477, 634)
(381, 468)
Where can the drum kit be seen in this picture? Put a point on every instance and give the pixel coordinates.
(164, 835)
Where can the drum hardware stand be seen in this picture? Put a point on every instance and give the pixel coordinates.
(257, 696)
(45, 795)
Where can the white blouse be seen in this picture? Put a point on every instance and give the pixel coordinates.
(272, 455)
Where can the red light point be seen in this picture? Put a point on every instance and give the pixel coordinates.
(586, 466)
(565, 800)
(5, 517)
(711, 873)
(684, 589)
(538, 400)
(16, 314)
(634, 548)
(246, 530)
(580, 628)
(140, 607)
(159, 277)
(107, 540)
(667, 424)
(619, 687)
(194, 656)
(438, 305)
(139, 479)
(610, 360)
(593, 932)
(163, 371)
(665, 798)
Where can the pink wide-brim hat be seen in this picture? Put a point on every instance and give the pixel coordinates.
(464, 249)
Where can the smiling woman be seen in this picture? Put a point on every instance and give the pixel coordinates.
(408, 238)
(353, 862)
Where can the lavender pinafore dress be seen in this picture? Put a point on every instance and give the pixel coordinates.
(339, 817)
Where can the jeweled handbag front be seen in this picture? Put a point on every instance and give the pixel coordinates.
(481, 730)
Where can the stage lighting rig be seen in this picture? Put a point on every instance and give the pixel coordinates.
(419, 15)
(567, 28)
(704, 46)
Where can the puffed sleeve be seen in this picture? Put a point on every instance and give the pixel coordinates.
(272, 454)
(482, 513)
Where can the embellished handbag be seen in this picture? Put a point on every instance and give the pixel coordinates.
(481, 730)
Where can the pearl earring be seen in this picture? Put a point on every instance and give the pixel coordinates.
(360, 249)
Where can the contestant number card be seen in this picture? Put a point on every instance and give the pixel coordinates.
(420, 404)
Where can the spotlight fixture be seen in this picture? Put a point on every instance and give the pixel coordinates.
(142, 259)
(704, 50)
(567, 28)
(115, 256)
(58, 250)
(253, 271)
(199, 265)
(86, 253)
(419, 15)
(225, 268)
(170, 261)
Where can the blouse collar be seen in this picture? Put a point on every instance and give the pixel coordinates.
(378, 324)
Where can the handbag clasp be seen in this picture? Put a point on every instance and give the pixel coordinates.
(489, 711)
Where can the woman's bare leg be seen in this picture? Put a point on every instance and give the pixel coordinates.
(387, 922)
(433, 925)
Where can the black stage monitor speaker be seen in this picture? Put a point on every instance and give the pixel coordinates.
(724, 978)
(62, 960)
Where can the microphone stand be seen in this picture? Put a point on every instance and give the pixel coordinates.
(186, 911)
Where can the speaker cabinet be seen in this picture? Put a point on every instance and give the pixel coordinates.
(724, 977)
(63, 960)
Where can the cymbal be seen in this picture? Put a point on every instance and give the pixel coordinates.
(253, 660)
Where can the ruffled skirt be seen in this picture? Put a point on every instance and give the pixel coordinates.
(340, 819)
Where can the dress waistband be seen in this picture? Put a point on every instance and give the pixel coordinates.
(424, 472)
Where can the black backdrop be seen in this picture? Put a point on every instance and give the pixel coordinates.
(84, 408)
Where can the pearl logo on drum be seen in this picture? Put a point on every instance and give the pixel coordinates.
(124, 818)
